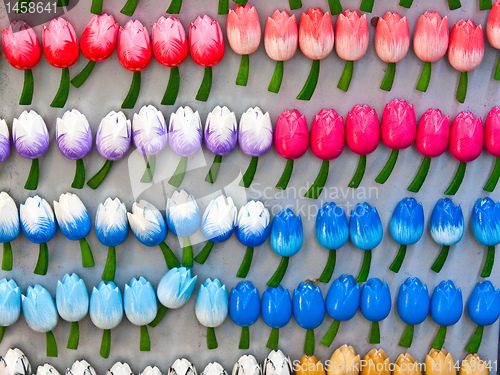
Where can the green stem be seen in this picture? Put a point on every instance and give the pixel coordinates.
(147, 177)
(398, 261)
(51, 344)
(462, 87)
(204, 253)
(246, 263)
(419, 179)
(244, 338)
(87, 257)
(279, 274)
(247, 179)
(213, 172)
(484, 4)
(2, 333)
(63, 91)
(375, 333)
(129, 7)
(23, 6)
(497, 70)
(7, 257)
(406, 3)
(275, 84)
(295, 4)
(495, 175)
(110, 267)
(285, 177)
(241, 2)
(335, 6)
(169, 256)
(425, 77)
(96, 7)
(309, 343)
(79, 179)
(74, 336)
(407, 338)
(331, 334)
(329, 268)
(99, 177)
(133, 92)
(454, 4)
(475, 341)
(162, 310)
(27, 94)
(223, 7)
(242, 78)
(174, 82)
(180, 171)
(360, 172)
(42, 265)
(32, 181)
(310, 85)
(389, 166)
(439, 263)
(274, 337)
(317, 187)
(187, 253)
(365, 267)
(145, 342)
(345, 79)
(389, 77)
(105, 343)
(62, 3)
(439, 339)
(457, 181)
(366, 5)
(174, 7)
(488, 264)
(211, 338)
(206, 85)
(81, 77)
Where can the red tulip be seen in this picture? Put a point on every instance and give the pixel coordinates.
(60, 46)
(398, 130)
(280, 41)
(351, 42)
(243, 34)
(327, 143)
(492, 144)
(392, 40)
(206, 44)
(291, 140)
(170, 48)
(466, 144)
(433, 134)
(23, 52)
(430, 43)
(493, 31)
(466, 51)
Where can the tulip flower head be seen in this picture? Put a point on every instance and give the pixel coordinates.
(182, 366)
(492, 145)
(10, 305)
(15, 362)
(214, 368)
(277, 363)
(375, 305)
(4, 141)
(486, 229)
(406, 365)
(244, 309)
(120, 369)
(345, 358)
(81, 367)
(247, 365)
(440, 359)
(473, 364)
(310, 365)
(376, 362)
(9, 228)
(493, 31)
(276, 312)
(151, 371)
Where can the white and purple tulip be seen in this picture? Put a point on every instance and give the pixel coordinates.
(74, 140)
(112, 142)
(4, 141)
(9, 228)
(31, 140)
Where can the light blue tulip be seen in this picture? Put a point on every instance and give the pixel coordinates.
(10, 304)
(486, 229)
(176, 287)
(9, 228)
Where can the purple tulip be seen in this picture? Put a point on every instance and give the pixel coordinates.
(4, 141)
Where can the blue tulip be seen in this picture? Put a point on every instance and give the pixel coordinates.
(483, 308)
(308, 311)
(446, 309)
(365, 229)
(9, 228)
(40, 313)
(332, 232)
(72, 301)
(413, 307)
(106, 312)
(276, 312)
(244, 309)
(342, 302)
(375, 305)
(286, 240)
(10, 304)
(486, 229)
(139, 301)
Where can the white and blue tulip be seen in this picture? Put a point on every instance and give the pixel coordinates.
(211, 308)
(120, 369)
(14, 362)
(247, 365)
(46, 369)
(106, 311)
(214, 368)
(81, 367)
(9, 227)
(72, 301)
(4, 141)
(40, 313)
(74, 222)
(182, 366)
(39, 226)
(10, 304)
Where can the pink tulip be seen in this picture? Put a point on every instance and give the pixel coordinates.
(492, 144)
(466, 144)
(280, 41)
(392, 40)
(433, 134)
(398, 130)
(291, 140)
(466, 51)
(430, 43)
(170, 48)
(493, 31)
(351, 42)
(243, 34)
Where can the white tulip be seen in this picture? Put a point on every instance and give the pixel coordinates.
(120, 369)
(277, 363)
(14, 362)
(182, 366)
(214, 368)
(46, 369)
(151, 371)
(247, 365)
(81, 368)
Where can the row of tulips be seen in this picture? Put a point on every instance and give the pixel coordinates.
(244, 306)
